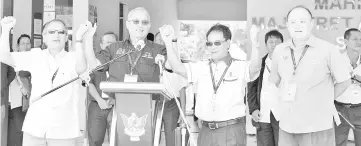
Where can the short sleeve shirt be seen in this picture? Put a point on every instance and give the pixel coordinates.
(313, 107)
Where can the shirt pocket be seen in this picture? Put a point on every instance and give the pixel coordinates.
(146, 65)
(230, 79)
(313, 71)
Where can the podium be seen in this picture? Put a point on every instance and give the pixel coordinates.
(134, 122)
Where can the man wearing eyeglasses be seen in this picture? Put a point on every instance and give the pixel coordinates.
(100, 106)
(221, 86)
(140, 65)
(262, 97)
(349, 103)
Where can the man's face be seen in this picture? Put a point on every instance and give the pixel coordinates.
(299, 24)
(354, 41)
(158, 39)
(138, 24)
(272, 42)
(107, 40)
(24, 44)
(55, 35)
(217, 45)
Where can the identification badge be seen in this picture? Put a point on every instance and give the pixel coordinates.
(130, 78)
(290, 92)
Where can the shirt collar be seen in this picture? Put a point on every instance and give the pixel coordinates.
(344, 52)
(146, 43)
(226, 60)
(310, 42)
(59, 55)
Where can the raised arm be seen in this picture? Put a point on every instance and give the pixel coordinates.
(168, 35)
(256, 58)
(84, 42)
(7, 24)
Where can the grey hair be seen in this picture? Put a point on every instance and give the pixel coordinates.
(131, 12)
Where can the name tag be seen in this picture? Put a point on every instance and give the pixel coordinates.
(130, 78)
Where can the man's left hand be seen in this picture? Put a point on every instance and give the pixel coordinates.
(254, 32)
(167, 33)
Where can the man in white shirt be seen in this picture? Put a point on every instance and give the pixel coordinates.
(221, 85)
(262, 97)
(19, 91)
(51, 120)
(349, 103)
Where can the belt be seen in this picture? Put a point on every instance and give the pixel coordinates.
(347, 105)
(219, 124)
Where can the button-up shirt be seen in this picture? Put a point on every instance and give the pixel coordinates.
(312, 109)
(55, 115)
(269, 95)
(146, 69)
(173, 83)
(229, 100)
(353, 92)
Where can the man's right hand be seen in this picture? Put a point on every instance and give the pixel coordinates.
(256, 115)
(7, 23)
(103, 104)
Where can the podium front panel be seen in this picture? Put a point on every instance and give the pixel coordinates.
(134, 120)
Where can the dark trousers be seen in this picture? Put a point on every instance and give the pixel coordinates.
(16, 120)
(342, 131)
(231, 135)
(170, 119)
(267, 133)
(99, 121)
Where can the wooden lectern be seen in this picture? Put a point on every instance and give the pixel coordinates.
(134, 123)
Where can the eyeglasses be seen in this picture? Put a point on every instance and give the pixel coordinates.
(136, 22)
(59, 31)
(216, 43)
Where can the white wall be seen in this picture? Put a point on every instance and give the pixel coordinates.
(23, 19)
(108, 17)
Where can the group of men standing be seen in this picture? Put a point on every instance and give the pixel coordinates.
(295, 93)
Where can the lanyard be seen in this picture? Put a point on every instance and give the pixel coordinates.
(294, 60)
(268, 68)
(215, 87)
(133, 64)
(54, 75)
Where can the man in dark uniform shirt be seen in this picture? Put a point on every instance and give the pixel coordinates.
(140, 64)
(141, 61)
(100, 106)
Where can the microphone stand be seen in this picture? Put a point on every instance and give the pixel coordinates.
(84, 83)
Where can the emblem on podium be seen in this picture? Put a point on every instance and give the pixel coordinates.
(134, 126)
